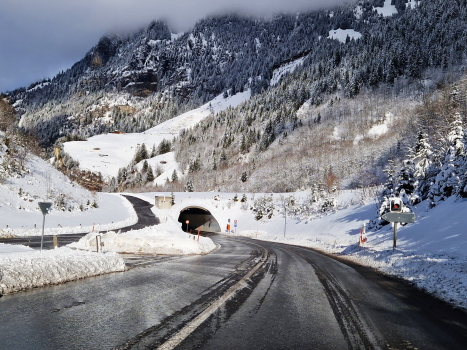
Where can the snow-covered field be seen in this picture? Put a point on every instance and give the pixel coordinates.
(110, 152)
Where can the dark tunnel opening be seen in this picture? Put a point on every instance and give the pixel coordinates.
(198, 218)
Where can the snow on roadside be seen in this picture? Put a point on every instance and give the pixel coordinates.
(24, 268)
(165, 238)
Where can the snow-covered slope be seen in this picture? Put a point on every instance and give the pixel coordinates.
(75, 209)
(110, 152)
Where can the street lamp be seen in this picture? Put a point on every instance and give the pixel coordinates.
(45, 206)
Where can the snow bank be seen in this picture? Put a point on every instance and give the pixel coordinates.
(165, 238)
(23, 268)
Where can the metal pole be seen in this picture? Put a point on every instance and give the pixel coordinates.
(42, 237)
(285, 219)
(395, 235)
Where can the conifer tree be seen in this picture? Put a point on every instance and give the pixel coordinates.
(149, 175)
(448, 182)
(174, 176)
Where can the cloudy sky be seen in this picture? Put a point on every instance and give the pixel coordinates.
(40, 38)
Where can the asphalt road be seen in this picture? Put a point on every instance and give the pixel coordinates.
(143, 211)
(296, 299)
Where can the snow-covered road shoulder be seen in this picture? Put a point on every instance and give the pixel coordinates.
(166, 238)
(23, 268)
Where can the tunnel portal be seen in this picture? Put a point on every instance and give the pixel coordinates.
(198, 218)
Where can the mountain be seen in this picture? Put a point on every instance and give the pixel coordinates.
(360, 71)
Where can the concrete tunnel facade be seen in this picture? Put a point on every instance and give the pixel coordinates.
(198, 217)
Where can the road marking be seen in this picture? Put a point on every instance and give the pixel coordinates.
(191, 327)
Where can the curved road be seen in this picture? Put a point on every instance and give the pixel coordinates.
(295, 299)
(143, 212)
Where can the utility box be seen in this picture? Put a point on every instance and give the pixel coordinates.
(163, 202)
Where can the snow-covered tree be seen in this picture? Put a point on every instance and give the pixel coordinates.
(422, 163)
(189, 187)
(448, 182)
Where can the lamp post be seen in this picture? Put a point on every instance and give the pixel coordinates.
(45, 206)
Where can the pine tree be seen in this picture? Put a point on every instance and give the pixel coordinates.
(174, 176)
(145, 167)
(190, 187)
(244, 177)
(149, 175)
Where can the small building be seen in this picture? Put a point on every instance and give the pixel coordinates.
(163, 202)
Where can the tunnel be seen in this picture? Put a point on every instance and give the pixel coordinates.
(198, 218)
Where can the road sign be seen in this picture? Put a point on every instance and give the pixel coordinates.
(399, 217)
(45, 206)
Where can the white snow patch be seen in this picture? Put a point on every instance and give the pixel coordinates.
(278, 73)
(358, 11)
(175, 36)
(387, 10)
(413, 4)
(341, 34)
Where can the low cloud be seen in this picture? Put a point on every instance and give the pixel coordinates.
(40, 38)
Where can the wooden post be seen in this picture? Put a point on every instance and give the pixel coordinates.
(55, 241)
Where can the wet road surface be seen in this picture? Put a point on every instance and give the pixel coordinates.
(296, 299)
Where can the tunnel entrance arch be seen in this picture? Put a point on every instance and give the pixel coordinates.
(198, 217)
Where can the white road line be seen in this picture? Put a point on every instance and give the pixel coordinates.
(190, 327)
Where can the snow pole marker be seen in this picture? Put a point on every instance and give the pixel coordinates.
(363, 237)
(199, 229)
